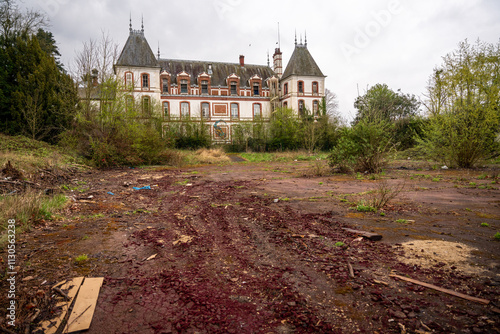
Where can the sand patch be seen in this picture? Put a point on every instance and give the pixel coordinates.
(428, 253)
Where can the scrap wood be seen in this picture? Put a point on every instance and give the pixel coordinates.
(364, 234)
(351, 270)
(62, 293)
(73, 285)
(450, 292)
(86, 301)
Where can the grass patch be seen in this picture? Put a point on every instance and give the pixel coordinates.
(28, 208)
(402, 221)
(80, 259)
(282, 156)
(485, 225)
(497, 236)
(339, 244)
(361, 207)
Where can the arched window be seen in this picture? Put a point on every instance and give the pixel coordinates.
(145, 80)
(315, 107)
(205, 110)
(166, 110)
(315, 87)
(235, 112)
(285, 104)
(300, 87)
(257, 111)
(184, 109)
(146, 106)
(129, 80)
(285, 89)
(129, 102)
(301, 108)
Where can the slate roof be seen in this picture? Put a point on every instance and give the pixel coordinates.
(137, 52)
(302, 63)
(220, 71)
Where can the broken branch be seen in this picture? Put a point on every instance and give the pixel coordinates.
(450, 292)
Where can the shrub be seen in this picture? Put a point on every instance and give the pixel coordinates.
(363, 148)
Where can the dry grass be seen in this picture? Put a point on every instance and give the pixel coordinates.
(211, 156)
(384, 193)
(318, 168)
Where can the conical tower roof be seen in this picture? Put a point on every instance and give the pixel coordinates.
(302, 63)
(137, 51)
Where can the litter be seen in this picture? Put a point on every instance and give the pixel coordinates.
(110, 193)
(142, 188)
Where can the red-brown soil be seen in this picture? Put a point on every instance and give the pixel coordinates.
(260, 248)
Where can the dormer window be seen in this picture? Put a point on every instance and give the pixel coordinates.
(204, 86)
(233, 88)
(184, 86)
(256, 89)
(164, 86)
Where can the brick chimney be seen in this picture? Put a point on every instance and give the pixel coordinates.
(242, 60)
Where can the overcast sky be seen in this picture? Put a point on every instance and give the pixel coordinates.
(356, 43)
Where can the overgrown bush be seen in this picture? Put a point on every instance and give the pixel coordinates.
(363, 148)
(463, 101)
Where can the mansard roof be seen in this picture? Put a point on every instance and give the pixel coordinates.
(137, 51)
(302, 63)
(219, 72)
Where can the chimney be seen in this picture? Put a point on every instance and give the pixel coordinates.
(242, 60)
(95, 81)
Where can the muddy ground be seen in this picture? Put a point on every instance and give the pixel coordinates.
(260, 248)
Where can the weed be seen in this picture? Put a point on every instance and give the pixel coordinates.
(485, 225)
(339, 244)
(384, 193)
(481, 187)
(472, 184)
(382, 214)
(85, 237)
(497, 236)
(467, 209)
(436, 179)
(361, 207)
(81, 259)
(401, 221)
(482, 177)
(321, 183)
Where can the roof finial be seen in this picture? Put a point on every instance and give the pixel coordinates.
(300, 39)
(142, 24)
(130, 25)
(295, 37)
(268, 64)
(158, 50)
(305, 38)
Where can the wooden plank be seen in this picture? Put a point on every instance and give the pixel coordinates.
(450, 292)
(86, 301)
(364, 234)
(51, 326)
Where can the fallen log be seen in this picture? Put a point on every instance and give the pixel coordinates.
(364, 234)
(450, 292)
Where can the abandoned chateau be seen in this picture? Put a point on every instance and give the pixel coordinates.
(219, 94)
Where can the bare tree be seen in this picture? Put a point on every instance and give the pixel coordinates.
(14, 22)
(93, 65)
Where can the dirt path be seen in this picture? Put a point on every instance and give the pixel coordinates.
(258, 248)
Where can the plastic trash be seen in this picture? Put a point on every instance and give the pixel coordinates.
(110, 193)
(444, 167)
(142, 188)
